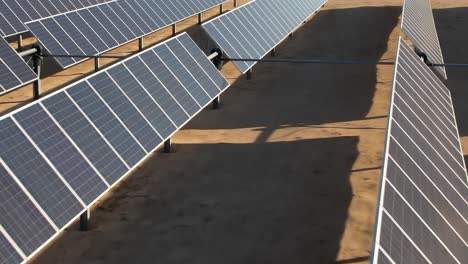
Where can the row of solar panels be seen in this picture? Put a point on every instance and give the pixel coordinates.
(254, 29)
(90, 27)
(99, 28)
(14, 13)
(60, 154)
(423, 200)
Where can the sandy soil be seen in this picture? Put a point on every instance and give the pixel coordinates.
(286, 171)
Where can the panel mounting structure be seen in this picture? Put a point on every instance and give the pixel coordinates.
(100, 28)
(59, 154)
(254, 29)
(422, 211)
(417, 22)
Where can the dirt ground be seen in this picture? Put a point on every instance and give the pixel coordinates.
(286, 171)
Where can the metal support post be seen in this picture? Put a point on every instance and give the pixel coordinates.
(20, 42)
(37, 61)
(235, 3)
(200, 18)
(221, 8)
(273, 52)
(140, 44)
(84, 220)
(167, 146)
(174, 29)
(97, 64)
(291, 35)
(249, 74)
(216, 102)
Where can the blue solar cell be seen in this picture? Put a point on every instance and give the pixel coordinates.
(112, 24)
(20, 218)
(65, 157)
(108, 24)
(11, 24)
(169, 81)
(142, 100)
(106, 11)
(8, 254)
(85, 137)
(69, 45)
(194, 68)
(14, 71)
(252, 30)
(88, 31)
(36, 174)
(107, 122)
(75, 34)
(157, 91)
(203, 61)
(129, 115)
(182, 75)
(130, 22)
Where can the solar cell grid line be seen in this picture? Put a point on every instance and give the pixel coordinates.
(8, 253)
(255, 28)
(418, 24)
(422, 212)
(14, 71)
(20, 217)
(148, 108)
(17, 12)
(125, 108)
(62, 152)
(200, 57)
(99, 28)
(86, 136)
(156, 89)
(84, 118)
(36, 175)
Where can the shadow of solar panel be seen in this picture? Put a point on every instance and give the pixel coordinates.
(102, 27)
(423, 210)
(63, 152)
(254, 29)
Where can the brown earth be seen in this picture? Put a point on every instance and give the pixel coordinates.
(287, 170)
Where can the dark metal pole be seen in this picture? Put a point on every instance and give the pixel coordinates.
(221, 8)
(216, 102)
(97, 64)
(315, 61)
(249, 74)
(37, 61)
(235, 3)
(174, 29)
(140, 44)
(84, 220)
(200, 18)
(167, 146)
(20, 42)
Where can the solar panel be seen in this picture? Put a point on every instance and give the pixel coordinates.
(417, 22)
(14, 13)
(61, 153)
(100, 28)
(14, 72)
(252, 30)
(423, 211)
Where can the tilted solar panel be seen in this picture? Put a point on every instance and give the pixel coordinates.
(14, 72)
(100, 28)
(61, 153)
(417, 22)
(252, 30)
(422, 211)
(14, 13)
